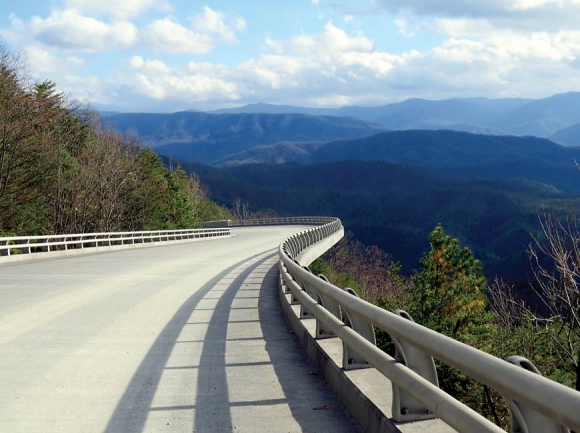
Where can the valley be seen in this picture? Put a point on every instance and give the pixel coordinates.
(482, 168)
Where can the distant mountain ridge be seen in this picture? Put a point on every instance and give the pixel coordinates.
(207, 138)
(242, 136)
(454, 153)
(569, 136)
(514, 116)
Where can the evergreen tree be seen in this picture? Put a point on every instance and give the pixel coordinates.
(448, 295)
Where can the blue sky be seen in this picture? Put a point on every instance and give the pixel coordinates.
(171, 55)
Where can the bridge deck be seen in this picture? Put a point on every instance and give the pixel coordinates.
(186, 337)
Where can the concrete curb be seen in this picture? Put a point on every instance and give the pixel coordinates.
(369, 416)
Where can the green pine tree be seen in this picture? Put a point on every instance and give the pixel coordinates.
(448, 295)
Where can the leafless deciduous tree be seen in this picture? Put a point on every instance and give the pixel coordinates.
(18, 154)
(510, 311)
(558, 285)
(241, 211)
(370, 267)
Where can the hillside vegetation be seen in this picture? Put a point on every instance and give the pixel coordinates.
(264, 133)
(208, 138)
(395, 207)
(62, 172)
(459, 154)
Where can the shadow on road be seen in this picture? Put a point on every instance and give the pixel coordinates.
(252, 374)
(131, 412)
(313, 406)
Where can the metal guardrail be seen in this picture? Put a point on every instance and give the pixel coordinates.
(537, 404)
(307, 220)
(50, 243)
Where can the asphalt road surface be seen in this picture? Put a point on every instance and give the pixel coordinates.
(178, 338)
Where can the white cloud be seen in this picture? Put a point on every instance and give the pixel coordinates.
(207, 29)
(474, 8)
(330, 67)
(167, 35)
(221, 26)
(199, 82)
(516, 14)
(44, 63)
(315, 2)
(119, 10)
(403, 28)
(332, 40)
(332, 62)
(72, 30)
(69, 30)
(336, 68)
(478, 55)
(522, 5)
(89, 90)
(561, 46)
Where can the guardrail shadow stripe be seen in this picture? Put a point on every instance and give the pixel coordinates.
(212, 411)
(312, 405)
(133, 407)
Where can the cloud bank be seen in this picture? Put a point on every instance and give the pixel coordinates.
(497, 48)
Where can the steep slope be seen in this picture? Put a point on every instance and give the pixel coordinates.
(544, 117)
(396, 207)
(454, 153)
(569, 136)
(204, 137)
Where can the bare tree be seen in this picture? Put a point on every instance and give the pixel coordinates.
(19, 156)
(374, 271)
(558, 285)
(510, 311)
(241, 210)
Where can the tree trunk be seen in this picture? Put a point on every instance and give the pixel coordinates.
(578, 373)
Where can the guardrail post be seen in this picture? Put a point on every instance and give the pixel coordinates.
(524, 419)
(5, 252)
(351, 359)
(283, 285)
(304, 313)
(293, 299)
(332, 307)
(405, 407)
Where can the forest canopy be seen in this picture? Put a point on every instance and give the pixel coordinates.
(61, 171)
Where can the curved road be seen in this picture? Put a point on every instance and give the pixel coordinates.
(179, 338)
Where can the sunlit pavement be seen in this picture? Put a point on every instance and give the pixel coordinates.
(188, 337)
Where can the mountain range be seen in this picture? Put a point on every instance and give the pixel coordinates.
(458, 154)
(209, 138)
(485, 168)
(514, 116)
(232, 136)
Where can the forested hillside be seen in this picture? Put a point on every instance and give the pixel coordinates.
(208, 138)
(459, 154)
(395, 207)
(62, 172)
(569, 136)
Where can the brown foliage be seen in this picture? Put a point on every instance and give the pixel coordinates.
(372, 268)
